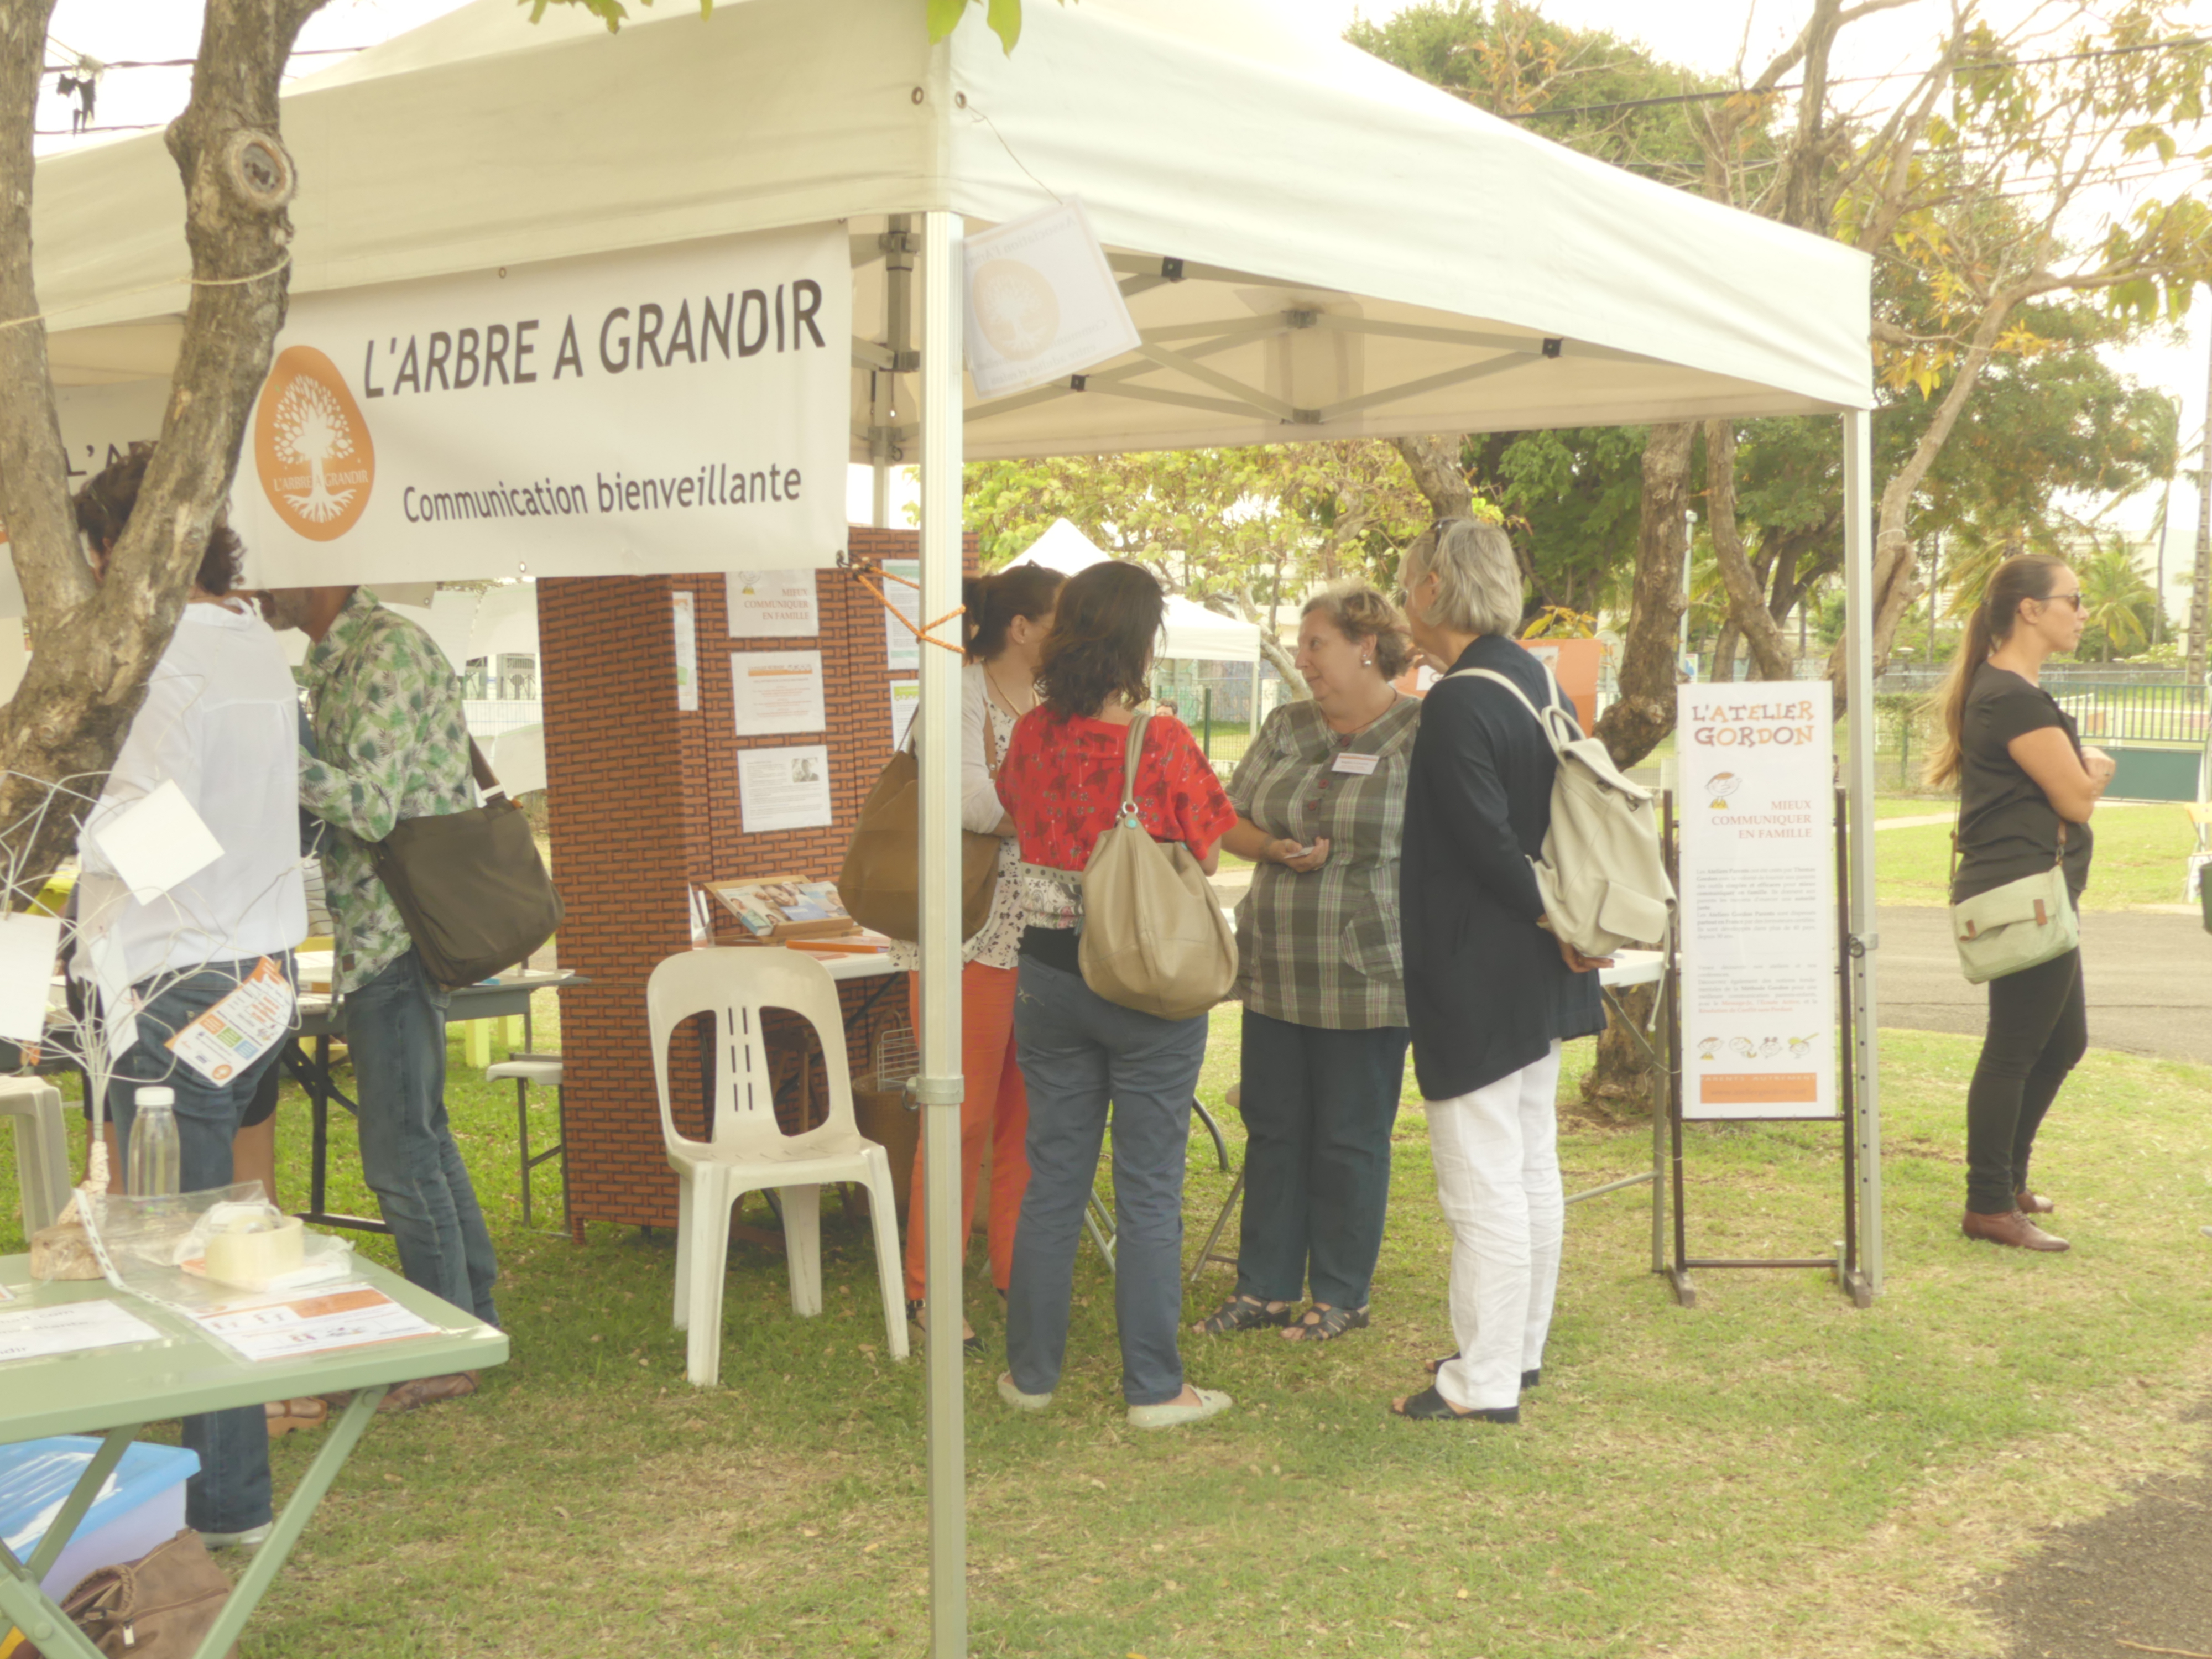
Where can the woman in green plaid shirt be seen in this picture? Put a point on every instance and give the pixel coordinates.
(1320, 800)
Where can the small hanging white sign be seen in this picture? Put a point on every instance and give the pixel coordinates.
(1042, 303)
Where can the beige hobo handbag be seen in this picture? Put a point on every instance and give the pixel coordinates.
(1154, 937)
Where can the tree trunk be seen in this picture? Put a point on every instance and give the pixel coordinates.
(96, 647)
(1620, 1081)
(1895, 558)
(1746, 593)
(1644, 711)
(1724, 643)
(1434, 463)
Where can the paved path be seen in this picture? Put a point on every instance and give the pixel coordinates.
(2150, 980)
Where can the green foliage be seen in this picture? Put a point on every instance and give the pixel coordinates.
(2118, 603)
(1255, 524)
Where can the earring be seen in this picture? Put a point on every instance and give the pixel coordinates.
(1367, 662)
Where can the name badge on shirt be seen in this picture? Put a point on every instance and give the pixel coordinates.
(1359, 766)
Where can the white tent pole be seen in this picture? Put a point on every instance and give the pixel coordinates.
(1858, 633)
(938, 1088)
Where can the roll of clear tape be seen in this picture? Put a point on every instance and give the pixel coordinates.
(251, 1255)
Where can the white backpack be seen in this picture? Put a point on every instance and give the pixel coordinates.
(1603, 880)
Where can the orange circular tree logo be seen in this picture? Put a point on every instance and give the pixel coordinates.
(312, 447)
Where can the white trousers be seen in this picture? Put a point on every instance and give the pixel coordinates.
(1497, 1157)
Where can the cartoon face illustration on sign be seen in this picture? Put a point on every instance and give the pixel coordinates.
(1720, 786)
(311, 448)
(1741, 1046)
(1016, 308)
(1800, 1047)
(1708, 1047)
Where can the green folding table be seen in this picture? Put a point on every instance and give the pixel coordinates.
(116, 1391)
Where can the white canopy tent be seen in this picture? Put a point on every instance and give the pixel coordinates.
(1312, 245)
(1191, 633)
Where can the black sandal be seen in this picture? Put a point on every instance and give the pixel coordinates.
(1326, 1324)
(970, 1343)
(1243, 1313)
(1429, 1407)
(1528, 1379)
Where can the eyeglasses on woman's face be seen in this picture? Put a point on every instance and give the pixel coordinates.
(2073, 598)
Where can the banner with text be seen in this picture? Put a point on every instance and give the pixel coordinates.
(676, 409)
(1758, 900)
(98, 425)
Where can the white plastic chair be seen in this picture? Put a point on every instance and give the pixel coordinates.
(41, 1148)
(749, 1151)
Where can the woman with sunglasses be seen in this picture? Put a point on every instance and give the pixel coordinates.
(2027, 789)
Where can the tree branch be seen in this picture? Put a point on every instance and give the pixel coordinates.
(1746, 597)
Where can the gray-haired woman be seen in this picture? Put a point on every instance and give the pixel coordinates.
(1491, 993)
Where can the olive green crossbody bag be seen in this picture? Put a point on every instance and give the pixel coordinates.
(2023, 924)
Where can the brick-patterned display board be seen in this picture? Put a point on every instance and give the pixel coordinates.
(644, 805)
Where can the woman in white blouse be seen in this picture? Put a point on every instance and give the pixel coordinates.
(1008, 616)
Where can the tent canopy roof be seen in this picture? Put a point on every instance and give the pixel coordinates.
(1314, 244)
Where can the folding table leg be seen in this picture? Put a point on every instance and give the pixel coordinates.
(338, 1442)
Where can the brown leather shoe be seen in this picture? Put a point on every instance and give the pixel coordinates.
(434, 1390)
(2012, 1228)
(2035, 1204)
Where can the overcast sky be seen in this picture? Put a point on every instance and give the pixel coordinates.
(1706, 35)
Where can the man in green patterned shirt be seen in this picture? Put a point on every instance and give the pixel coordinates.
(386, 710)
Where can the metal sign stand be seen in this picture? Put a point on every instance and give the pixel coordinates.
(1845, 1260)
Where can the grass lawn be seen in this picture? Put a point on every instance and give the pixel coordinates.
(2141, 856)
(1769, 1473)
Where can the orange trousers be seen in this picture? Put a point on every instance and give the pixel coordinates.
(995, 1113)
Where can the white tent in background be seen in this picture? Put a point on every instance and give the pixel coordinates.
(1191, 633)
(1312, 245)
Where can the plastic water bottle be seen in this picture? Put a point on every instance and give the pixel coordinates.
(155, 1160)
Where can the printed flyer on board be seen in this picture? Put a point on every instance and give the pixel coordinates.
(1756, 806)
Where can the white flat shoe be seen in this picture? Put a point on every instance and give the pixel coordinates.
(1211, 1402)
(1020, 1401)
(252, 1538)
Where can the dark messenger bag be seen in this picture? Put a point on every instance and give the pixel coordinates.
(469, 885)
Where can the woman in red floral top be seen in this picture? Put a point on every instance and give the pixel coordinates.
(1061, 784)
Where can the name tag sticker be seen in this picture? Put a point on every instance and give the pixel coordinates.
(1359, 766)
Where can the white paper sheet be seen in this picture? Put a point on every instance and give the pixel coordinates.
(684, 608)
(899, 643)
(72, 1327)
(157, 842)
(772, 604)
(777, 693)
(1042, 302)
(347, 1316)
(906, 703)
(241, 1027)
(783, 788)
(28, 945)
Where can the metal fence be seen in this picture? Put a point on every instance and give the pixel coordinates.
(2153, 705)
(1214, 699)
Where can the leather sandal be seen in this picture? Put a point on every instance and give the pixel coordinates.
(1429, 1407)
(287, 1416)
(917, 1315)
(1321, 1324)
(422, 1391)
(1242, 1313)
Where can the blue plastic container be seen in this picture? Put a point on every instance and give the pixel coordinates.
(142, 1505)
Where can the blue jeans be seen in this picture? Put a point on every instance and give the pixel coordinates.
(231, 1492)
(1079, 1053)
(1318, 1107)
(396, 1033)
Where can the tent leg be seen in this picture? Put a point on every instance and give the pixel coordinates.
(1858, 615)
(938, 1088)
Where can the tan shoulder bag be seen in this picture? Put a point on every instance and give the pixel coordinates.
(1154, 936)
(881, 881)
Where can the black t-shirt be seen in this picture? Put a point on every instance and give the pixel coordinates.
(2008, 827)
